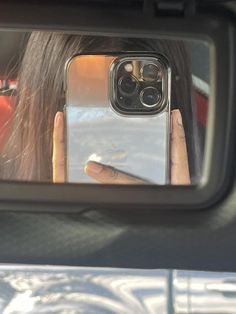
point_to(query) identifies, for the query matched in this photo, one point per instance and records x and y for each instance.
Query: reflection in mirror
(76, 109)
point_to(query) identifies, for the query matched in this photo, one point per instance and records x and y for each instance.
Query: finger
(58, 149)
(179, 156)
(109, 175)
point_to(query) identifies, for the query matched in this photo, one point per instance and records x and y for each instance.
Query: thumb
(179, 156)
(58, 149)
(109, 175)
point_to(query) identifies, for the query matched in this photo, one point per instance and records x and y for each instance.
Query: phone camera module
(128, 85)
(150, 96)
(150, 72)
(138, 85)
(125, 101)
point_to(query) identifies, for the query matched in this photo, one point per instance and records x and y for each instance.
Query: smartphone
(117, 113)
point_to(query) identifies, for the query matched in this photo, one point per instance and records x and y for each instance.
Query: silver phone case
(138, 145)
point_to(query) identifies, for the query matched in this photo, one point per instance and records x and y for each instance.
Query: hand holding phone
(105, 174)
(117, 113)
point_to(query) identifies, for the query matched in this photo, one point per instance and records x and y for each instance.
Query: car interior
(75, 247)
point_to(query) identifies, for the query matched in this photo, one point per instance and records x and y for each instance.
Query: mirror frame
(218, 170)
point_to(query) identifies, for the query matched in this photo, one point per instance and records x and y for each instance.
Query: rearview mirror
(140, 108)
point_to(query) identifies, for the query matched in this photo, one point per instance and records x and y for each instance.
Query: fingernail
(94, 167)
(178, 117)
(57, 119)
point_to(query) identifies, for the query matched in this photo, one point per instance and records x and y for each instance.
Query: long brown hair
(28, 153)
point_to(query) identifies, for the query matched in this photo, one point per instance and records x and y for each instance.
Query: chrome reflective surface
(204, 292)
(49, 289)
(42, 289)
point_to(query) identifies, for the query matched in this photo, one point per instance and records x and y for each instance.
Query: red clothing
(6, 111)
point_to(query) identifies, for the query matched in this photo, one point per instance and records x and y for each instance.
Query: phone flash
(128, 67)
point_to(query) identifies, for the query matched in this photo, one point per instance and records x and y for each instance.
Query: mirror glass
(89, 109)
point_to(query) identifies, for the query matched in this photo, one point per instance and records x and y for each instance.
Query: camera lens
(150, 72)
(150, 96)
(128, 85)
